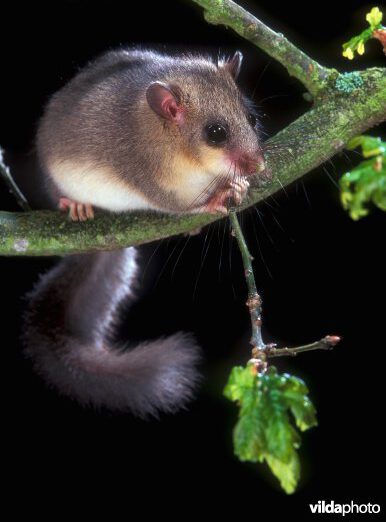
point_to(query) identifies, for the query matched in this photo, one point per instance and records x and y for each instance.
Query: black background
(318, 272)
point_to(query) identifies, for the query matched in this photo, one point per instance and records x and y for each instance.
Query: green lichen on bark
(322, 131)
(306, 143)
(348, 82)
(51, 233)
(345, 106)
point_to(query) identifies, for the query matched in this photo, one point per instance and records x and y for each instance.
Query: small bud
(374, 17)
(254, 302)
(332, 340)
(361, 48)
(258, 366)
(348, 53)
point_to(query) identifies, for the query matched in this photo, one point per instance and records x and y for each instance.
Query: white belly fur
(97, 186)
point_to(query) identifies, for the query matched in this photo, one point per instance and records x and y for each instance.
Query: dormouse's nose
(249, 164)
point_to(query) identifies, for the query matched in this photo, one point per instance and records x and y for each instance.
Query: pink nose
(250, 164)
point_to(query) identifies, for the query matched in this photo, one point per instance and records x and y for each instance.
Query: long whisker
(224, 226)
(180, 254)
(218, 183)
(150, 259)
(260, 77)
(161, 272)
(231, 177)
(261, 252)
(260, 216)
(203, 258)
(202, 196)
(306, 194)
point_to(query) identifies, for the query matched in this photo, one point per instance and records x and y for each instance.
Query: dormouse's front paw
(77, 211)
(239, 188)
(234, 192)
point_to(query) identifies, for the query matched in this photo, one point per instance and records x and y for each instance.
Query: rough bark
(345, 105)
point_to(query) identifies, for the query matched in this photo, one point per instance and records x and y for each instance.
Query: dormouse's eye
(252, 119)
(216, 134)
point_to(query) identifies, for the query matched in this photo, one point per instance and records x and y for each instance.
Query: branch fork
(346, 105)
(261, 351)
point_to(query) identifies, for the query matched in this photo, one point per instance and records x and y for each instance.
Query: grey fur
(102, 118)
(68, 335)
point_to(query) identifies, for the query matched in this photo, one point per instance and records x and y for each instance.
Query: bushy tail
(68, 335)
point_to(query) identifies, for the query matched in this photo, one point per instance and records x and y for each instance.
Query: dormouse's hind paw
(77, 211)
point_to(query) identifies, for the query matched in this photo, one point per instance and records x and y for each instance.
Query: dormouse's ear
(233, 65)
(164, 100)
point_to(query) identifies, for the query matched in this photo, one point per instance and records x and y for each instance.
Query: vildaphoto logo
(323, 507)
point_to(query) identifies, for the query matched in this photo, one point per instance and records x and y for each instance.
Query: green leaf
(295, 394)
(238, 383)
(303, 411)
(366, 183)
(249, 438)
(264, 431)
(357, 43)
(288, 473)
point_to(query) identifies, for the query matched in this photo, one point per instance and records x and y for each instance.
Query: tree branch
(225, 12)
(260, 350)
(327, 343)
(351, 104)
(254, 303)
(5, 174)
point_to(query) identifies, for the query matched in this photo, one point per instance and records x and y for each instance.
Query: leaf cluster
(366, 183)
(357, 43)
(264, 432)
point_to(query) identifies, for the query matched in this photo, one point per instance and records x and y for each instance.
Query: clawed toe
(77, 211)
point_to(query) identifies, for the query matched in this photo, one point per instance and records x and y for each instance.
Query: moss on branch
(306, 143)
(325, 129)
(45, 232)
(347, 105)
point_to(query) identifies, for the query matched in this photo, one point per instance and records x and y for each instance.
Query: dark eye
(252, 119)
(216, 134)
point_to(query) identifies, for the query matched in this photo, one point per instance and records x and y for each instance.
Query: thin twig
(260, 350)
(254, 302)
(5, 173)
(327, 343)
(226, 12)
